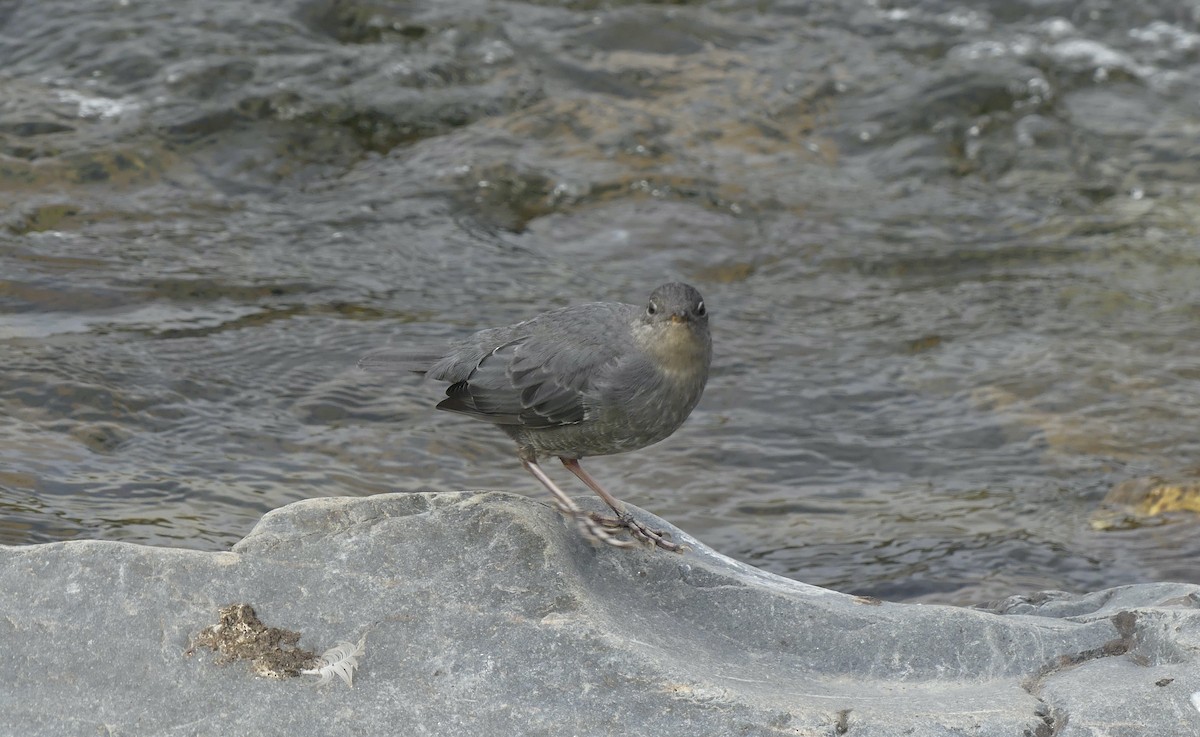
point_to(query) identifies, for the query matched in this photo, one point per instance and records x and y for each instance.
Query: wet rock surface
(486, 614)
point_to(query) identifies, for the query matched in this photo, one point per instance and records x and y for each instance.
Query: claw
(596, 532)
(625, 520)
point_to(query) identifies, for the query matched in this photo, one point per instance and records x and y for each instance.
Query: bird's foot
(640, 531)
(598, 532)
(592, 529)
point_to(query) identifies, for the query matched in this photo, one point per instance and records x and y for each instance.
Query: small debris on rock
(241, 635)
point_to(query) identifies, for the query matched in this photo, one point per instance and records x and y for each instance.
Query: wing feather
(531, 382)
(540, 373)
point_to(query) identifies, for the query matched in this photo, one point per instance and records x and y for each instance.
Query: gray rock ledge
(486, 614)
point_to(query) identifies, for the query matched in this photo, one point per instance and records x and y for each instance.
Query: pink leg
(624, 518)
(590, 528)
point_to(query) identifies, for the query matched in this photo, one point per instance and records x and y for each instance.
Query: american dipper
(592, 379)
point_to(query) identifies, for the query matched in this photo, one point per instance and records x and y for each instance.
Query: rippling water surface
(951, 252)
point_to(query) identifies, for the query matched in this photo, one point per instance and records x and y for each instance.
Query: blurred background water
(950, 251)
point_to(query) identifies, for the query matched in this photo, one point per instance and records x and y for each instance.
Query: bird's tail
(394, 362)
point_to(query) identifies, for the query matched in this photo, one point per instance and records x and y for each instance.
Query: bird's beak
(679, 318)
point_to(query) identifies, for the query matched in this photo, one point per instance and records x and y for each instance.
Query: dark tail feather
(394, 362)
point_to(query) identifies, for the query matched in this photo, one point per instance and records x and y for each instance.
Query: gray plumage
(592, 379)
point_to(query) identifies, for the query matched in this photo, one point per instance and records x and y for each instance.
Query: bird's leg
(623, 519)
(591, 529)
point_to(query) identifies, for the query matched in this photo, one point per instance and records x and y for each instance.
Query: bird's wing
(531, 380)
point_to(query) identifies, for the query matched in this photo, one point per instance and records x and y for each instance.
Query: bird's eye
(701, 310)
(651, 309)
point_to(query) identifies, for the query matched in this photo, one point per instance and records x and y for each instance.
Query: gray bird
(592, 379)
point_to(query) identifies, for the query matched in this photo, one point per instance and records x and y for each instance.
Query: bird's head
(674, 327)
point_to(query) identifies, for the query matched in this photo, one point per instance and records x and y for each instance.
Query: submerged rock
(1139, 501)
(485, 614)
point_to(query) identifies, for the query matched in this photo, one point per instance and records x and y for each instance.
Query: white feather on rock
(340, 660)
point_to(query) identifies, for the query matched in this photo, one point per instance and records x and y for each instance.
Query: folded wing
(529, 381)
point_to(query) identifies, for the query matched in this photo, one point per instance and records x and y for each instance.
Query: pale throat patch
(676, 348)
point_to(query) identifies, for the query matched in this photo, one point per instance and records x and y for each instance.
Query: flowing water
(950, 251)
